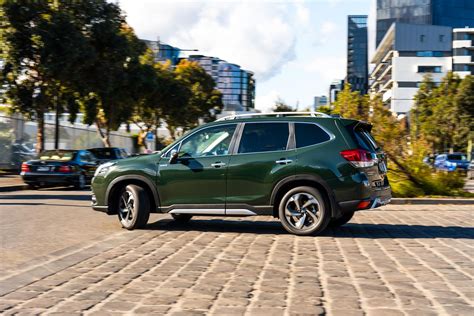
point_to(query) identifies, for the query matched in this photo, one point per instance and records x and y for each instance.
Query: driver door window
(214, 141)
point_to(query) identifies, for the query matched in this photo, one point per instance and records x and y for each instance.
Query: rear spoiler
(355, 124)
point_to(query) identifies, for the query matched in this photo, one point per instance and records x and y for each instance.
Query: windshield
(57, 155)
(457, 157)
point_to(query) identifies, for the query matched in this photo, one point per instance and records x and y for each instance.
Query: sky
(295, 48)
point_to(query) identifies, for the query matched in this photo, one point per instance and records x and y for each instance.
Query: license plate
(42, 169)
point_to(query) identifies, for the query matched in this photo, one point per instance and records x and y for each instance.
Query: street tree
(42, 49)
(282, 106)
(194, 97)
(351, 104)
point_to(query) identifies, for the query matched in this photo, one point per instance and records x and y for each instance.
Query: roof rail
(275, 114)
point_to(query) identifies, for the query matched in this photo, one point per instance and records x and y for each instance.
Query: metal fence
(18, 139)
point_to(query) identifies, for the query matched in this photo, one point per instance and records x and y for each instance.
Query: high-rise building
(320, 101)
(236, 85)
(453, 13)
(463, 51)
(335, 87)
(163, 52)
(406, 54)
(357, 53)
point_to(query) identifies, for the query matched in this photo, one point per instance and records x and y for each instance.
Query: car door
(197, 178)
(263, 156)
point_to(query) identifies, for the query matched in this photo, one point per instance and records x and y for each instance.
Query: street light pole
(56, 127)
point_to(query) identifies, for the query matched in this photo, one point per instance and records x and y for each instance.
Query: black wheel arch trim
(151, 186)
(335, 212)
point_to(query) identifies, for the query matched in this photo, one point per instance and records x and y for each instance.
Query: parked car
(108, 154)
(60, 167)
(470, 170)
(451, 162)
(308, 171)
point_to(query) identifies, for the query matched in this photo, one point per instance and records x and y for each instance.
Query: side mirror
(173, 156)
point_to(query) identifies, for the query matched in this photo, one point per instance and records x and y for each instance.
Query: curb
(11, 188)
(431, 201)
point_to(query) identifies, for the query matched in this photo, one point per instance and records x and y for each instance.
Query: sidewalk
(11, 182)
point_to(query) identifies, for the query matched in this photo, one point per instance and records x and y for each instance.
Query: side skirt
(218, 210)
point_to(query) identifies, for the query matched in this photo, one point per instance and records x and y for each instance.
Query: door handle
(218, 164)
(284, 161)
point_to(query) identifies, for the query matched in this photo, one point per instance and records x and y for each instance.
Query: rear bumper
(377, 198)
(51, 178)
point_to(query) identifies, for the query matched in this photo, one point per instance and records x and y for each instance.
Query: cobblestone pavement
(404, 260)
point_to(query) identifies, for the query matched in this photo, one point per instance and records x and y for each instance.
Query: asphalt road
(37, 223)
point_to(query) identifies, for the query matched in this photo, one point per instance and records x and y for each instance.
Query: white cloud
(258, 35)
(266, 102)
(328, 68)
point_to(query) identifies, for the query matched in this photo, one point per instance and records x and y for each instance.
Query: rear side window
(262, 137)
(364, 138)
(309, 134)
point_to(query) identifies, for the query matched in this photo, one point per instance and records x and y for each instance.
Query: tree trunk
(104, 137)
(40, 131)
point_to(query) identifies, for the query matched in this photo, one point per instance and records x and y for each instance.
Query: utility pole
(56, 127)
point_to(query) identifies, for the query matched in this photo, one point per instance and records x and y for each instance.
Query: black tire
(316, 214)
(181, 218)
(33, 186)
(136, 213)
(80, 183)
(344, 219)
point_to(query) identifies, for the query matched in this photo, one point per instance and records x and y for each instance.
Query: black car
(60, 167)
(108, 154)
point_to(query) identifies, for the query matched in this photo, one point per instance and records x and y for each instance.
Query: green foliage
(281, 106)
(408, 175)
(350, 104)
(443, 114)
(325, 109)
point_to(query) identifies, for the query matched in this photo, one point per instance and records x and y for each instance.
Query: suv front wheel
(133, 207)
(303, 211)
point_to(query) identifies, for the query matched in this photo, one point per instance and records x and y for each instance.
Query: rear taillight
(359, 158)
(25, 167)
(64, 169)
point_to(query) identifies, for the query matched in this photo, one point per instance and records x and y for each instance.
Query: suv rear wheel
(303, 211)
(133, 207)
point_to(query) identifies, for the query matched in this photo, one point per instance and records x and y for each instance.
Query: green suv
(310, 170)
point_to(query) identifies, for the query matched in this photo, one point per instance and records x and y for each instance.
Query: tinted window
(309, 134)
(261, 137)
(213, 141)
(457, 157)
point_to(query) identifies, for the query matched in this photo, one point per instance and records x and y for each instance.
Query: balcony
(463, 59)
(462, 43)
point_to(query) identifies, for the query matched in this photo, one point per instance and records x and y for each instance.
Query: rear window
(105, 153)
(363, 138)
(457, 157)
(262, 137)
(309, 134)
(57, 155)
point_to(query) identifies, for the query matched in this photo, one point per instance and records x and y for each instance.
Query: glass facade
(357, 53)
(453, 13)
(237, 87)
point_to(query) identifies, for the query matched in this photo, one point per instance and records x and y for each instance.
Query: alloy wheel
(302, 211)
(127, 208)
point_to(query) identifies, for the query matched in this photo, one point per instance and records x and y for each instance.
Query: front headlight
(102, 169)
